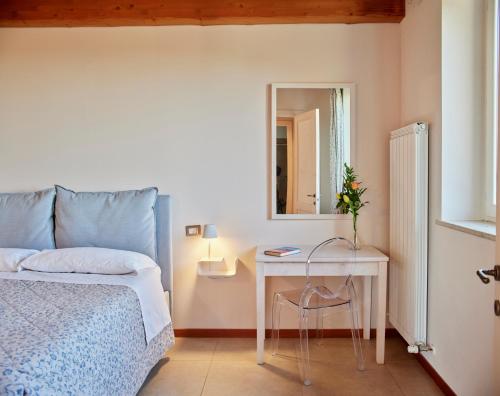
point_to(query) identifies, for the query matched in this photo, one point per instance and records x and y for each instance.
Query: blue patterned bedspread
(73, 339)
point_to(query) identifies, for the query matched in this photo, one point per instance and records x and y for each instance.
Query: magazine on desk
(282, 251)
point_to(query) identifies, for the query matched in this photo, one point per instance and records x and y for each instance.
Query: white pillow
(10, 258)
(88, 260)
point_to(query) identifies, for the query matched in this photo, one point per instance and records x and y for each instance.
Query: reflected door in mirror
(306, 183)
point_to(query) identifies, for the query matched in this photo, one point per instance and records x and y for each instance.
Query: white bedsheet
(146, 284)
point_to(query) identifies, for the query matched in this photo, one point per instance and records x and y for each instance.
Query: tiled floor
(222, 366)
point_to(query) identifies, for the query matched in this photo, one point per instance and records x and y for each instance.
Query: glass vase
(355, 239)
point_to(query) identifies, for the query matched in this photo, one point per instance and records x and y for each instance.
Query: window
(469, 89)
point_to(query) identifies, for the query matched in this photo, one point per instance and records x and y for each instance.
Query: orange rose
(355, 185)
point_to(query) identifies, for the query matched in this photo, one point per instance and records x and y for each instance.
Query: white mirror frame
(352, 146)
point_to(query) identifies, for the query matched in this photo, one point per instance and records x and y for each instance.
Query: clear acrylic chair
(318, 299)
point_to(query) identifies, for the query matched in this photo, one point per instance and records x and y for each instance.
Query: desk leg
(367, 306)
(261, 312)
(381, 310)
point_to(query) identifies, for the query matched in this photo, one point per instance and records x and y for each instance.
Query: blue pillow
(27, 220)
(122, 220)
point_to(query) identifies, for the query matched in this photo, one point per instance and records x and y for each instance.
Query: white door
(306, 154)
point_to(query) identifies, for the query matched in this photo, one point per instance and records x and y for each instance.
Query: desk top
(327, 254)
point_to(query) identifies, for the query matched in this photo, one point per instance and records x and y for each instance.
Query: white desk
(331, 260)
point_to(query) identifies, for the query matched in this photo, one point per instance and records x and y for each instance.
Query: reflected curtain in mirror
(337, 137)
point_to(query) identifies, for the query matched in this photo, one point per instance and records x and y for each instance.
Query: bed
(86, 334)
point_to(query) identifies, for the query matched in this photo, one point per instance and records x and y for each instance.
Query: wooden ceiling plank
(74, 13)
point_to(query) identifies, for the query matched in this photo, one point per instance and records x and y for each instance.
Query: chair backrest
(321, 245)
(322, 291)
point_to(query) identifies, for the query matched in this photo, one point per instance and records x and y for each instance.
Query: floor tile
(199, 349)
(413, 379)
(244, 349)
(395, 350)
(341, 351)
(339, 380)
(176, 378)
(333, 351)
(278, 377)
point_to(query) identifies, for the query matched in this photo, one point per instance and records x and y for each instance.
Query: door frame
(496, 330)
(287, 122)
(496, 325)
(272, 133)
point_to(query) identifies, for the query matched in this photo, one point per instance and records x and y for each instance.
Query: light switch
(193, 230)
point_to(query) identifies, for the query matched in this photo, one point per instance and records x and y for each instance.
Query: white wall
(187, 109)
(460, 306)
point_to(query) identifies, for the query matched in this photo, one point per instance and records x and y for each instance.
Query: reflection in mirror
(311, 143)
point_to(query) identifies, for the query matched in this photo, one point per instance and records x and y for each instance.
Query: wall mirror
(312, 136)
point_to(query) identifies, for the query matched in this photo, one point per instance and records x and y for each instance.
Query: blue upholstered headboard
(164, 241)
(163, 228)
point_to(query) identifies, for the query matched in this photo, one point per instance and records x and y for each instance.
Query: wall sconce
(209, 232)
(214, 267)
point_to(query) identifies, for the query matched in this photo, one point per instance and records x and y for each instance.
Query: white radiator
(408, 232)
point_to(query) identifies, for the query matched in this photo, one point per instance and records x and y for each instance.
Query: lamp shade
(209, 231)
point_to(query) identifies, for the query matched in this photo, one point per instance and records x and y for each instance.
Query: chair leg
(319, 325)
(356, 337)
(304, 346)
(275, 333)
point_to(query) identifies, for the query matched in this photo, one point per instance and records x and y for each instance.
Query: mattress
(74, 339)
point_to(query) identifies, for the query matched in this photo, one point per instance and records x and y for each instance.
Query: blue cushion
(122, 220)
(26, 220)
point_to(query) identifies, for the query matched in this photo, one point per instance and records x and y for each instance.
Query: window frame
(491, 108)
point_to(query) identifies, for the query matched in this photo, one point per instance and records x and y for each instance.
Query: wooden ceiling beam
(81, 13)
